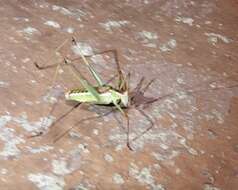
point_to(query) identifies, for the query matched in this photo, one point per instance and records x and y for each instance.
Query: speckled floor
(190, 50)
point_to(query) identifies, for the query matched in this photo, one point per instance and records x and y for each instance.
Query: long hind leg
(79, 122)
(57, 65)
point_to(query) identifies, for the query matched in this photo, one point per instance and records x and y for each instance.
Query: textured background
(188, 47)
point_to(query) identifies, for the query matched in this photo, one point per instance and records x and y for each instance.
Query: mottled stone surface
(188, 47)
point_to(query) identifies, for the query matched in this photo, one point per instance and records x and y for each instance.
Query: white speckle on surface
(171, 44)
(70, 30)
(144, 176)
(7, 135)
(23, 121)
(213, 38)
(60, 167)
(219, 116)
(163, 146)
(117, 178)
(208, 22)
(3, 171)
(10, 147)
(28, 102)
(148, 35)
(4, 119)
(47, 182)
(3, 84)
(82, 148)
(157, 167)
(177, 171)
(114, 24)
(80, 187)
(21, 19)
(190, 150)
(162, 157)
(83, 48)
(185, 20)
(95, 131)
(62, 10)
(210, 187)
(119, 147)
(40, 149)
(33, 82)
(180, 81)
(108, 158)
(53, 94)
(150, 45)
(25, 60)
(75, 134)
(30, 30)
(42, 124)
(52, 24)
(79, 13)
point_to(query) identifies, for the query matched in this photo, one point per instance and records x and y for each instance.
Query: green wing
(84, 82)
(90, 88)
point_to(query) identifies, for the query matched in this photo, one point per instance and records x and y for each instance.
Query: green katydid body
(101, 93)
(107, 95)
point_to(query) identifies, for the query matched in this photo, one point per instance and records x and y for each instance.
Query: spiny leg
(80, 77)
(139, 90)
(122, 83)
(81, 121)
(147, 86)
(127, 122)
(128, 132)
(57, 65)
(65, 114)
(53, 81)
(39, 133)
(136, 90)
(147, 129)
(139, 85)
(42, 67)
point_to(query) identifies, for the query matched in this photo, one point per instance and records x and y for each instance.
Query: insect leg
(42, 67)
(147, 86)
(56, 121)
(127, 124)
(122, 82)
(65, 114)
(81, 121)
(147, 129)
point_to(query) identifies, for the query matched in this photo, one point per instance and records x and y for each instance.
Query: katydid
(102, 93)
